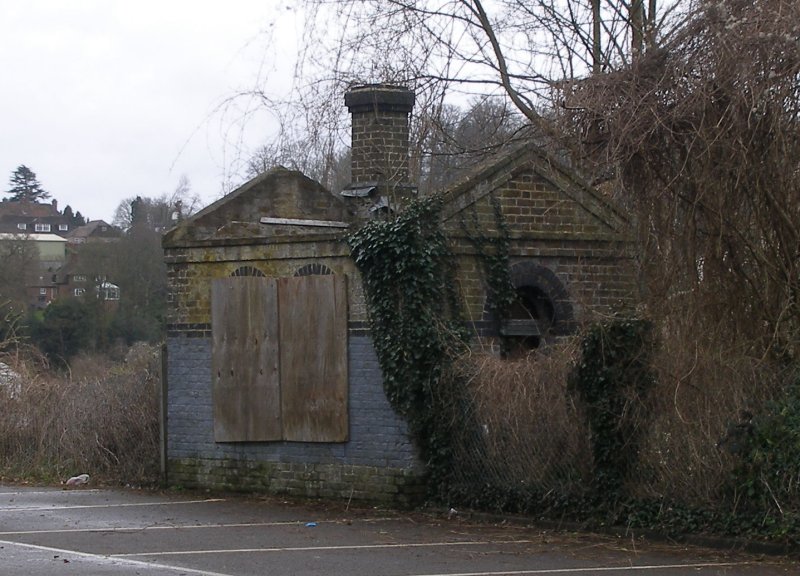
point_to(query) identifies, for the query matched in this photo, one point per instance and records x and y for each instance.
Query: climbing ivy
(408, 274)
(493, 251)
(612, 380)
(768, 475)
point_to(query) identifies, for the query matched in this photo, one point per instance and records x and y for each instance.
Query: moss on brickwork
(391, 486)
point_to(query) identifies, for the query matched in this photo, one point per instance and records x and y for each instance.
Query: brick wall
(549, 230)
(378, 463)
(191, 270)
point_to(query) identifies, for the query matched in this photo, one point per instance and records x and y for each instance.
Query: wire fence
(516, 426)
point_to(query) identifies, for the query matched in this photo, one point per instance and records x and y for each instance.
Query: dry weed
(516, 426)
(101, 419)
(706, 382)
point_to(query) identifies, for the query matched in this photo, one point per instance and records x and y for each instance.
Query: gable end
(538, 197)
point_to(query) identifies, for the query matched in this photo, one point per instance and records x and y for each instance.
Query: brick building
(57, 238)
(272, 379)
(26, 217)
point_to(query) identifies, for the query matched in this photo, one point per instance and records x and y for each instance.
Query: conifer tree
(25, 186)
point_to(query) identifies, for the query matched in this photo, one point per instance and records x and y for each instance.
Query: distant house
(51, 247)
(57, 243)
(94, 231)
(42, 281)
(71, 284)
(25, 217)
(43, 225)
(74, 282)
(83, 274)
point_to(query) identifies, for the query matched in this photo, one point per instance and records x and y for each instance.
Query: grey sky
(107, 99)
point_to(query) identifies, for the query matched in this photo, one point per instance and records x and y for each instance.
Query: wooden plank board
(313, 358)
(245, 360)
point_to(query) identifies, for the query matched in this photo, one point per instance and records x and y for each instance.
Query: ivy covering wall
(408, 272)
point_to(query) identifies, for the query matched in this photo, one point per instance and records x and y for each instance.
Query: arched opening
(248, 271)
(314, 269)
(529, 322)
(542, 313)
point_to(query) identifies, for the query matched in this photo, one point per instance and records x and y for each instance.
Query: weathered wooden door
(245, 360)
(280, 359)
(313, 336)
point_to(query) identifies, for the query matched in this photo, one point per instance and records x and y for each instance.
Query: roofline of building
(34, 237)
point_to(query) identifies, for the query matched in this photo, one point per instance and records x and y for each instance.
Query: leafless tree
(19, 265)
(688, 108)
(331, 169)
(160, 212)
(521, 49)
(459, 138)
(517, 52)
(703, 135)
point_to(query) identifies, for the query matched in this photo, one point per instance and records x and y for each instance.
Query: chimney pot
(379, 168)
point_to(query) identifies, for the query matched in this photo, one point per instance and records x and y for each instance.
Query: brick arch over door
(531, 274)
(314, 269)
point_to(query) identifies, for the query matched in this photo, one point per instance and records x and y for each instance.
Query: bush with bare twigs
(706, 393)
(100, 418)
(515, 427)
(717, 435)
(701, 135)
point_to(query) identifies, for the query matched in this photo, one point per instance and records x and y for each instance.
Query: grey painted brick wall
(378, 437)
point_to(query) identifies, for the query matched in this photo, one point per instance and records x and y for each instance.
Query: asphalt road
(91, 532)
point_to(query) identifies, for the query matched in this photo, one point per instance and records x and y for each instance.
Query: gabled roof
(528, 155)
(90, 228)
(280, 203)
(29, 209)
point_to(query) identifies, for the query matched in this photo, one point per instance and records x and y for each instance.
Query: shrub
(612, 380)
(705, 381)
(101, 418)
(768, 477)
(515, 427)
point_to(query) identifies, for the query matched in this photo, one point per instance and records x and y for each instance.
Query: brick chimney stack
(379, 147)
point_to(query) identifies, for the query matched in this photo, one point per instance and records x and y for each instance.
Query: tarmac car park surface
(93, 532)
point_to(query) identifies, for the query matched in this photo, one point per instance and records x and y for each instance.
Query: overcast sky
(108, 99)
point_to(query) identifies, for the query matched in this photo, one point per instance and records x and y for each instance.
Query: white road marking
(595, 569)
(532, 572)
(123, 560)
(328, 548)
(132, 529)
(128, 505)
(52, 492)
(101, 559)
(129, 559)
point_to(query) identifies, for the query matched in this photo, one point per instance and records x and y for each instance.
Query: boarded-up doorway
(279, 359)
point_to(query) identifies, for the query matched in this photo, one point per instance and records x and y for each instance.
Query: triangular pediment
(539, 194)
(280, 203)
